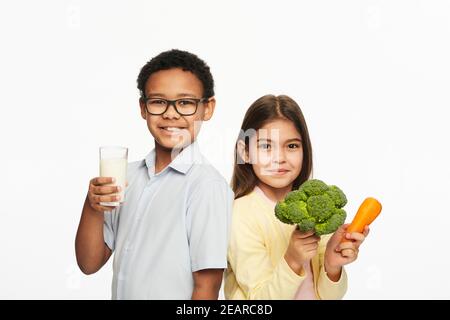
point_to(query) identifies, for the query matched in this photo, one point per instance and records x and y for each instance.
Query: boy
(170, 235)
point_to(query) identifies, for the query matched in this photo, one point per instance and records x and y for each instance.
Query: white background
(371, 76)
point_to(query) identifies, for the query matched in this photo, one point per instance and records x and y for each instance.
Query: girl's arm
(331, 286)
(249, 259)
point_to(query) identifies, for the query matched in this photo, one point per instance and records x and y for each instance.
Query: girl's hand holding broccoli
(302, 248)
(338, 254)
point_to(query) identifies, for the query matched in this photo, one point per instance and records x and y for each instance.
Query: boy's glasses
(184, 106)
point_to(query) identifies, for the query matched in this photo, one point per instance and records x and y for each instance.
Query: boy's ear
(143, 109)
(209, 109)
(242, 152)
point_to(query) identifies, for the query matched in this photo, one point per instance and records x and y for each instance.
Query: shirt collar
(149, 161)
(189, 156)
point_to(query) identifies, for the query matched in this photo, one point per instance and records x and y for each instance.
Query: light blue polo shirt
(171, 224)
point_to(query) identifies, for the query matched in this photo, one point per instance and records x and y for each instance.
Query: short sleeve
(110, 227)
(208, 220)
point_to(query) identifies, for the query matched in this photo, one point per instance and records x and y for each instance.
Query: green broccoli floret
(314, 206)
(313, 187)
(321, 207)
(296, 195)
(332, 224)
(307, 224)
(337, 195)
(292, 212)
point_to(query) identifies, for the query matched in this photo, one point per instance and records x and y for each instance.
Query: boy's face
(170, 129)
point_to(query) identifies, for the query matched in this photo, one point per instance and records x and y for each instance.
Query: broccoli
(314, 206)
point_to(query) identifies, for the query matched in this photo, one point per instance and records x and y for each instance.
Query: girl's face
(276, 153)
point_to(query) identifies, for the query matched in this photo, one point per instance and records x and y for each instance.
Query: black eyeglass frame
(174, 103)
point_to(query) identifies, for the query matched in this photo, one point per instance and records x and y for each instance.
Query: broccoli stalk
(314, 206)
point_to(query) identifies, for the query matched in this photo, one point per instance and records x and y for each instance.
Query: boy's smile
(170, 129)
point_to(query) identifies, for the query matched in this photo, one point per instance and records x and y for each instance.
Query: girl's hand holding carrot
(343, 246)
(338, 254)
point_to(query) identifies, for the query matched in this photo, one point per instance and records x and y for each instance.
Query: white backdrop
(372, 78)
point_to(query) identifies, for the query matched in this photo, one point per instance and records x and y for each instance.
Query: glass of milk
(113, 163)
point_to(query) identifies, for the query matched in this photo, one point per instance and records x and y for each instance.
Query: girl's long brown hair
(263, 110)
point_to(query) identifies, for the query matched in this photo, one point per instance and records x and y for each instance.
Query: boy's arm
(207, 284)
(91, 251)
(208, 220)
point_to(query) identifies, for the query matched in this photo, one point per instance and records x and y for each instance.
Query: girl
(268, 259)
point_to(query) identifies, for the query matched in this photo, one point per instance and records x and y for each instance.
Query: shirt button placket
(128, 247)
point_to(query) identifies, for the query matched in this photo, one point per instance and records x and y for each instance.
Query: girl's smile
(278, 172)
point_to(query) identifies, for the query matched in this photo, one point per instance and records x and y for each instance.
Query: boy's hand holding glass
(107, 191)
(101, 191)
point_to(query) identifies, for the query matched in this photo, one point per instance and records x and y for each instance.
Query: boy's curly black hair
(177, 59)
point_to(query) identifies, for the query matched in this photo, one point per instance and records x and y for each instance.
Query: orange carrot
(367, 212)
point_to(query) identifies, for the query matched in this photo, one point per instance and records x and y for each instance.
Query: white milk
(117, 168)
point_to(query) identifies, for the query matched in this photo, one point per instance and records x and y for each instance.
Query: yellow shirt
(256, 265)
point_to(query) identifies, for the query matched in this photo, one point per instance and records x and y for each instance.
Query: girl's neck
(163, 156)
(274, 194)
